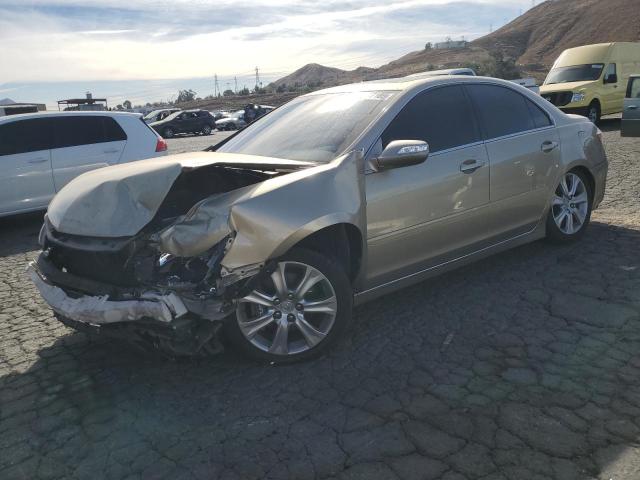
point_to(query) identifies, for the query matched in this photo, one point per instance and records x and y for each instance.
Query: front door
(25, 165)
(423, 215)
(613, 94)
(631, 112)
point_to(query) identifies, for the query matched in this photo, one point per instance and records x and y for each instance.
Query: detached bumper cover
(99, 310)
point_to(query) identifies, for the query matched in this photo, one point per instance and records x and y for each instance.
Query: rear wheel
(168, 132)
(297, 312)
(570, 208)
(206, 130)
(593, 112)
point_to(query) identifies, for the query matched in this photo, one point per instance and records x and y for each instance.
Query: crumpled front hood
(120, 200)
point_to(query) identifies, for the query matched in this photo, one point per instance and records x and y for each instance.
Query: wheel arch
(342, 241)
(590, 176)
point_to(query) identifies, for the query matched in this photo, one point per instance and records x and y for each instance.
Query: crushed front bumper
(99, 309)
(151, 320)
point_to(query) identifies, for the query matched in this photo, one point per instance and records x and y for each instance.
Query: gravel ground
(194, 143)
(522, 366)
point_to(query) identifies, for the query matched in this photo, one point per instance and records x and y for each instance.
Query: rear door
(631, 112)
(25, 165)
(524, 150)
(83, 143)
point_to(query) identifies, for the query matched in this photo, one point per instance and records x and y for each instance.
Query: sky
(146, 50)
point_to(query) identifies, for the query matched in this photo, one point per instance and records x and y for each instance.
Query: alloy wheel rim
(290, 312)
(570, 204)
(593, 115)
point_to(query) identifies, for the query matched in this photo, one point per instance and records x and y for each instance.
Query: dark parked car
(187, 121)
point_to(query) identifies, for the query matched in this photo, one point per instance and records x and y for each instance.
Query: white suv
(41, 152)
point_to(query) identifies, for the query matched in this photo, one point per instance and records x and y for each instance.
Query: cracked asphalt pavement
(522, 366)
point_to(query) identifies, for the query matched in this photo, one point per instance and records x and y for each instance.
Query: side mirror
(611, 78)
(403, 153)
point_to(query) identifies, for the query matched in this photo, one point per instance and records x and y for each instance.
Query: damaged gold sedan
(337, 197)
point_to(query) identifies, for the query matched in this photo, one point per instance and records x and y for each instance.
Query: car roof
(53, 113)
(411, 83)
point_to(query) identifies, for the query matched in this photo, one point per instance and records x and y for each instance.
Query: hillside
(539, 36)
(534, 40)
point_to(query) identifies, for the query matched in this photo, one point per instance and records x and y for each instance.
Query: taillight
(161, 146)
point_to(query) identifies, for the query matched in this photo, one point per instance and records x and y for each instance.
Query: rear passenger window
(503, 111)
(442, 117)
(24, 136)
(540, 117)
(73, 131)
(113, 131)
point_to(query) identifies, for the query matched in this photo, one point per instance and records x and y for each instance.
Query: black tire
(168, 132)
(341, 285)
(594, 112)
(206, 130)
(554, 233)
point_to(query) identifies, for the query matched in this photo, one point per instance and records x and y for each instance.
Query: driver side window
(442, 117)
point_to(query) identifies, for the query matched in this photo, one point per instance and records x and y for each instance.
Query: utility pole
(235, 83)
(216, 88)
(490, 27)
(257, 78)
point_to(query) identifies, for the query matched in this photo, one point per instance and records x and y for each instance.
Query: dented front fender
(268, 218)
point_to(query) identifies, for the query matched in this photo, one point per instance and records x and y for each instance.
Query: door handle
(632, 107)
(548, 146)
(38, 160)
(111, 151)
(470, 166)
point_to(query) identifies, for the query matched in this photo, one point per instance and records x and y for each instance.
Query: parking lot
(522, 366)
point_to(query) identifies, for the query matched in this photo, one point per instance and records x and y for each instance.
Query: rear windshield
(314, 128)
(575, 73)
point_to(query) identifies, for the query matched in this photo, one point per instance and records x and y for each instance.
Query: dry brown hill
(534, 40)
(540, 35)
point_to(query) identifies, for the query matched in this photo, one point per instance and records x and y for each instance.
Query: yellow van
(591, 80)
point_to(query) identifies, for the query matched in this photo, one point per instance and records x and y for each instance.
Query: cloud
(114, 40)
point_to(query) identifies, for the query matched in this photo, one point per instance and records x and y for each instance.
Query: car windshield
(151, 115)
(313, 128)
(173, 115)
(576, 73)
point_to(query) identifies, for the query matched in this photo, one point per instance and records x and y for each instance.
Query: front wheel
(570, 208)
(593, 112)
(295, 313)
